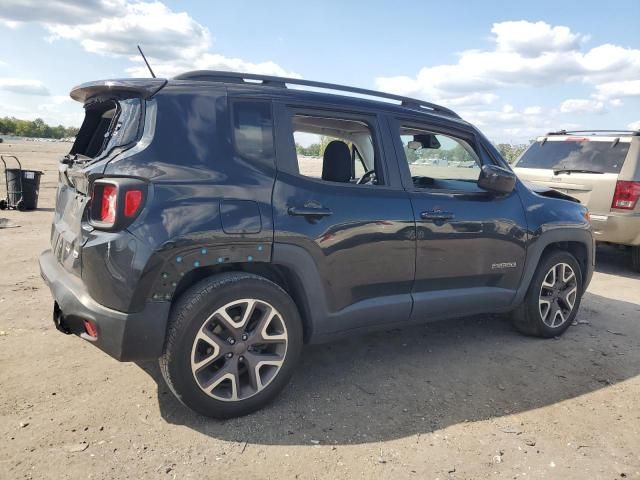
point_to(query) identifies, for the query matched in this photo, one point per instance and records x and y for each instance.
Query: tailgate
(67, 235)
(594, 190)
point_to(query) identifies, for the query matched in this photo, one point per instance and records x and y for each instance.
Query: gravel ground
(468, 398)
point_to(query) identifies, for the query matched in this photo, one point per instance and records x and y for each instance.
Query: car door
(470, 242)
(358, 239)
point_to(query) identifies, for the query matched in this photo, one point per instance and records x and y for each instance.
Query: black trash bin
(27, 191)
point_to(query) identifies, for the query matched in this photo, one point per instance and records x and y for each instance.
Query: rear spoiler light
(125, 88)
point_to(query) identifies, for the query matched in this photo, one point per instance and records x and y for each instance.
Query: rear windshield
(604, 157)
(106, 125)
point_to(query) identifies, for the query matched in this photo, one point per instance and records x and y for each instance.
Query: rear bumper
(124, 336)
(620, 228)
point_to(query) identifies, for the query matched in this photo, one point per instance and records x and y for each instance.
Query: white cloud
(532, 39)
(473, 99)
(57, 11)
(634, 125)
(626, 88)
(173, 42)
(582, 105)
(533, 110)
(525, 54)
(23, 86)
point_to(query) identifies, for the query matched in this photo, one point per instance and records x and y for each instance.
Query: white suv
(601, 168)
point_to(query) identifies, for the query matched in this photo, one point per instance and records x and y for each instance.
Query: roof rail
(273, 81)
(596, 132)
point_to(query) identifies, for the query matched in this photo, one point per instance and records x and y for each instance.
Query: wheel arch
(577, 241)
(282, 276)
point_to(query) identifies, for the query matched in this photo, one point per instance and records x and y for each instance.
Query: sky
(514, 69)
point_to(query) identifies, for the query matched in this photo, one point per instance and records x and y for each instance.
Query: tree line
(34, 128)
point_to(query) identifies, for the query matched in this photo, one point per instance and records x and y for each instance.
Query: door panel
(361, 237)
(470, 243)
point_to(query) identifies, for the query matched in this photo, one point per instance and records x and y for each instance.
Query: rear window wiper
(556, 171)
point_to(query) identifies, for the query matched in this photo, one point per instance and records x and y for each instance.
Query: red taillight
(115, 202)
(626, 195)
(109, 203)
(132, 202)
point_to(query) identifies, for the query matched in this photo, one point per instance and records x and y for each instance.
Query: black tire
(189, 315)
(3, 204)
(21, 206)
(635, 258)
(527, 318)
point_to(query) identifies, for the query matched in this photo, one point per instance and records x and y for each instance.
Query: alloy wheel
(239, 350)
(558, 295)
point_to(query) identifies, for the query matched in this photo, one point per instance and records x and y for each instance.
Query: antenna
(145, 61)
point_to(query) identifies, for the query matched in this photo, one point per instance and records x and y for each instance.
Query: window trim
(468, 135)
(287, 158)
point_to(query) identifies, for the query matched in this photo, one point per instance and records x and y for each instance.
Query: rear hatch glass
(106, 125)
(595, 156)
(584, 168)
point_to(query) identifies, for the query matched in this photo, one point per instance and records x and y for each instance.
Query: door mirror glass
(496, 179)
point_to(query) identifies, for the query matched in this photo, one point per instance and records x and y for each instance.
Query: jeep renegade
(218, 221)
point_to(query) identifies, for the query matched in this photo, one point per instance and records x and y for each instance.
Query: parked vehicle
(189, 229)
(601, 168)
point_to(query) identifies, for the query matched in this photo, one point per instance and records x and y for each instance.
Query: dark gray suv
(218, 221)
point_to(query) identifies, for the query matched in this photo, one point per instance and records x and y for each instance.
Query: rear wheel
(635, 258)
(233, 342)
(553, 298)
(3, 204)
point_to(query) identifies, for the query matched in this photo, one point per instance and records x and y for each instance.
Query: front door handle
(437, 215)
(309, 211)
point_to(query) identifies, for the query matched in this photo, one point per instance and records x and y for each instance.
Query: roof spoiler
(122, 88)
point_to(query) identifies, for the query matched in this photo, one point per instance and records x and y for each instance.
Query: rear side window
(253, 130)
(603, 157)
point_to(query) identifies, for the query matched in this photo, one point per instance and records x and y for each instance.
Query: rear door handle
(309, 211)
(437, 215)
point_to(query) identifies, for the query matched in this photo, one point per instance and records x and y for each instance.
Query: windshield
(603, 157)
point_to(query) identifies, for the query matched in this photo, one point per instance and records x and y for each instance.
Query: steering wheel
(367, 177)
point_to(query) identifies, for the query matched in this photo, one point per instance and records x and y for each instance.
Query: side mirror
(496, 179)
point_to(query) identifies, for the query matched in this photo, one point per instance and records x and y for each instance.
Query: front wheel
(553, 298)
(233, 342)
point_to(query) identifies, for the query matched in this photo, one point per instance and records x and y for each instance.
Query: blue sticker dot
(259, 248)
(250, 258)
(178, 259)
(196, 263)
(203, 251)
(220, 259)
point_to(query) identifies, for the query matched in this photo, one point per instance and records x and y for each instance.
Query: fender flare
(556, 235)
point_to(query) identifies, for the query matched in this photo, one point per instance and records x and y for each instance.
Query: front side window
(439, 161)
(253, 130)
(335, 150)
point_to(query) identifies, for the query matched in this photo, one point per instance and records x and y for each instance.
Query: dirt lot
(462, 399)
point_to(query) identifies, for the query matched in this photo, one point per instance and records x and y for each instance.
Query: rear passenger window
(335, 150)
(253, 130)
